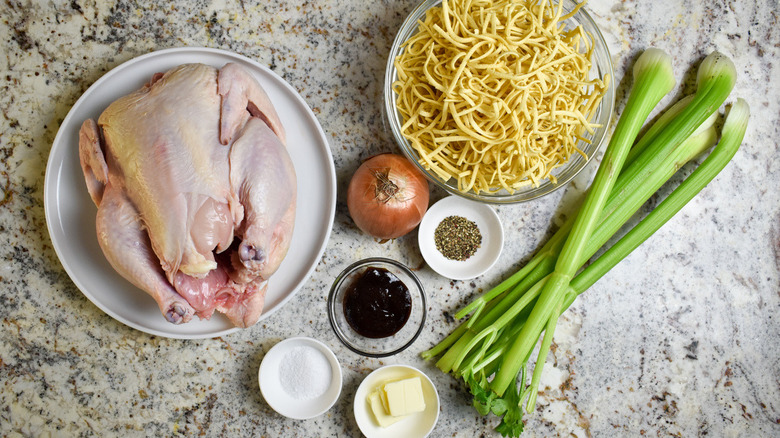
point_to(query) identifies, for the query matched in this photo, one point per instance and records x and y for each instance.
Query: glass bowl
(384, 346)
(601, 68)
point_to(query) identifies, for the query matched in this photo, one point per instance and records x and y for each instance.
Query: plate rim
(51, 170)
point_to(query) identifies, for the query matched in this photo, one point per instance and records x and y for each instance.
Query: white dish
(275, 394)
(416, 425)
(489, 226)
(70, 213)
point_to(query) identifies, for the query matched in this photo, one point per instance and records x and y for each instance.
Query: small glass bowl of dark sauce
(377, 307)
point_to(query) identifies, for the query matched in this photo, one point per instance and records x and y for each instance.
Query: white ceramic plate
(489, 226)
(416, 425)
(274, 393)
(70, 213)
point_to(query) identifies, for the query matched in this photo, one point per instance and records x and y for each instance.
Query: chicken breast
(195, 190)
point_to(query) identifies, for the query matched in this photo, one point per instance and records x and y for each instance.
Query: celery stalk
(616, 213)
(502, 316)
(653, 79)
(718, 73)
(657, 127)
(514, 311)
(733, 132)
(691, 148)
(715, 80)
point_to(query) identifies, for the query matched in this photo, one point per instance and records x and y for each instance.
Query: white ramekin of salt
(300, 378)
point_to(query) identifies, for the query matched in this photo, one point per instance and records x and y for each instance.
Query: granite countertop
(680, 339)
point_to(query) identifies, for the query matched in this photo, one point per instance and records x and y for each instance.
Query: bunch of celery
(490, 350)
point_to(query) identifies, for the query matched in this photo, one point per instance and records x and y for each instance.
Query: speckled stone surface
(680, 339)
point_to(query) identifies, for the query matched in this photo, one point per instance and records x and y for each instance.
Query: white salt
(305, 373)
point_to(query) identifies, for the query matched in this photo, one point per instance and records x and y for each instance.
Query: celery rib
(506, 322)
(733, 133)
(653, 79)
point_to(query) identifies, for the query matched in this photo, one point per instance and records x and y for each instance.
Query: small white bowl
(279, 399)
(489, 226)
(417, 425)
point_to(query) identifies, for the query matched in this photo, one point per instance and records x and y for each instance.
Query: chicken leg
(263, 177)
(127, 248)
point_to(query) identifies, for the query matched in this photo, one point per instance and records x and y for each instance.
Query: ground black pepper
(457, 238)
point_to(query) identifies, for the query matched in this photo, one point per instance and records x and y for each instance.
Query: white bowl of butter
(396, 401)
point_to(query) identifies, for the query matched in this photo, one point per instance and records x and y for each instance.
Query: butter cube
(404, 397)
(382, 419)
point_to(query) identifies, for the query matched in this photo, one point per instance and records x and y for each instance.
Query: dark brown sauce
(377, 303)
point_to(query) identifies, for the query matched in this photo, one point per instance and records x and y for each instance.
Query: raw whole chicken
(195, 190)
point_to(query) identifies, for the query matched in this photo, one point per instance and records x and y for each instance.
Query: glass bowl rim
(344, 274)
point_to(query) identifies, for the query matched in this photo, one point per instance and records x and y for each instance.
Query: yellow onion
(387, 196)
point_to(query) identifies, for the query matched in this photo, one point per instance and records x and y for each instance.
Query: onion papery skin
(387, 196)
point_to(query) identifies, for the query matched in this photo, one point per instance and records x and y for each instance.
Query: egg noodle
(496, 93)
